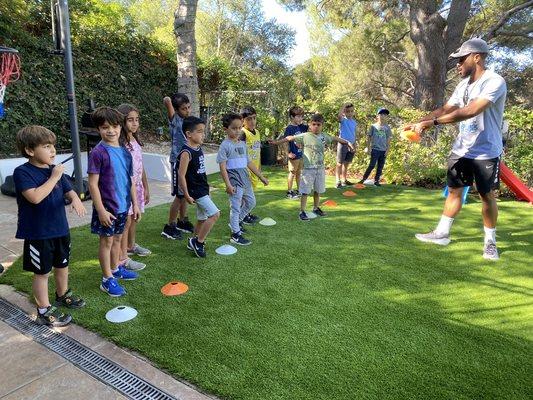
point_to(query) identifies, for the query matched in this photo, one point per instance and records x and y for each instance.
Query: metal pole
(71, 97)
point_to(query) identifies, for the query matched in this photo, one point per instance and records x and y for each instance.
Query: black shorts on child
(40, 255)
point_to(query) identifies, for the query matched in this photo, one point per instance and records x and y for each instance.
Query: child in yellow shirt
(253, 143)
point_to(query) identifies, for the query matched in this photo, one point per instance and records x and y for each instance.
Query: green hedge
(109, 67)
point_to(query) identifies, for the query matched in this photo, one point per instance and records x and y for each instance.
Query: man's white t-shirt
(480, 137)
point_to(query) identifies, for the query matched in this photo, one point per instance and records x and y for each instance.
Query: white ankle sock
(445, 224)
(490, 234)
(42, 310)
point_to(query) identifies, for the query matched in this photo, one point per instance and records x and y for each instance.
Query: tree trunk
(184, 20)
(435, 39)
(427, 29)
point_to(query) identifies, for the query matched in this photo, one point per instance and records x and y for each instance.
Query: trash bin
(269, 154)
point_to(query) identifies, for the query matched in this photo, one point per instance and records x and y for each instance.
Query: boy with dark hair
(296, 162)
(314, 173)
(379, 136)
(42, 222)
(178, 108)
(192, 179)
(253, 143)
(234, 164)
(110, 172)
(348, 127)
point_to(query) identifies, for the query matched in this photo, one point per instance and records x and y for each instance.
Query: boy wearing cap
(348, 127)
(477, 104)
(379, 136)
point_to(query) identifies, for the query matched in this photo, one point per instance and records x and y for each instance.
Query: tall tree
(436, 28)
(184, 23)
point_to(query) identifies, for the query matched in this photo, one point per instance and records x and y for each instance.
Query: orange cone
(174, 288)
(359, 186)
(329, 203)
(349, 193)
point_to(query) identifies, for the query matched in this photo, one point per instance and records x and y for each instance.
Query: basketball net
(9, 72)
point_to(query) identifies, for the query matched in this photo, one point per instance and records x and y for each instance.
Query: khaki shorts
(313, 180)
(296, 165)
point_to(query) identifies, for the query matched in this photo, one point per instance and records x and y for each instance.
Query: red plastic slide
(514, 184)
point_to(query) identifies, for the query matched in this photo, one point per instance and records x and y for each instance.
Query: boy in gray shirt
(379, 137)
(234, 164)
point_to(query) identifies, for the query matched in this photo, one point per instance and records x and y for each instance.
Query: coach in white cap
(477, 103)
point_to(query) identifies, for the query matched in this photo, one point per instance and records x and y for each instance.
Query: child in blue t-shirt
(348, 128)
(110, 172)
(296, 162)
(42, 222)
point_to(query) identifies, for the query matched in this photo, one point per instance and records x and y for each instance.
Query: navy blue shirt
(48, 219)
(292, 130)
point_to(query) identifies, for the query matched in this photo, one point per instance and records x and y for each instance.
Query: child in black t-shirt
(42, 222)
(192, 180)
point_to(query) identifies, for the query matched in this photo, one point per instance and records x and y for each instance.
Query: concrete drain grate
(84, 358)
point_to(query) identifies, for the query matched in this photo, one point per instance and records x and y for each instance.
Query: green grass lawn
(350, 306)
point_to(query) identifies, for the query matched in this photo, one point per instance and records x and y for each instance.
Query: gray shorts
(344, 155)
(205, 208)
(313, 180)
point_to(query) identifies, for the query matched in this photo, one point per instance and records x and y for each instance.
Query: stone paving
(30, 371)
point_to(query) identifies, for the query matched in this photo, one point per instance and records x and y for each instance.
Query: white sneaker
(434, 237)
(490, 251)
(133, 265)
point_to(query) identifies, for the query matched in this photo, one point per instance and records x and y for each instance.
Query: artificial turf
(349, 306)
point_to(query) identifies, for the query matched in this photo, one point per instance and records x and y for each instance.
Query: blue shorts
(116, 228)
(205, 208)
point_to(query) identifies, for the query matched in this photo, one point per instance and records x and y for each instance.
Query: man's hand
(292, 156)
(189, 199)
(351, 147)
(422, 126)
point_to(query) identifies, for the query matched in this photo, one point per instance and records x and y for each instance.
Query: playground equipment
(515, 185)
(9, 72)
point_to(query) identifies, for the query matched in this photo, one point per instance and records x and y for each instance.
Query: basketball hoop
(9, 71)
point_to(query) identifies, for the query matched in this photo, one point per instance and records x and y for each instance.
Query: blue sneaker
(112, 288)
(123, 273)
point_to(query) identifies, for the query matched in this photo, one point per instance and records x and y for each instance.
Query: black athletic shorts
(40, 255)
(464, 171)
(174, 189)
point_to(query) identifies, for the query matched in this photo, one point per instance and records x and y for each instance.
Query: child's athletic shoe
(123, 273)
(249, 220)
(185, 226)
(297, 194)
(69, 300)
(139, 251)
(434, 237)
(490, 251)
(348, 183)
(319, 212)
(133, 265)
(290, 194)
(53, 317)
(361, 181)
(171, 232)
(376, 183)
(197, 247)
(303, 216)
(237, 238)
(112, 287)
(241, 226)
(339, 185)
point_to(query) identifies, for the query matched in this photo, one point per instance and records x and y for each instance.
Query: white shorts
(313, 180)
(205, 208)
